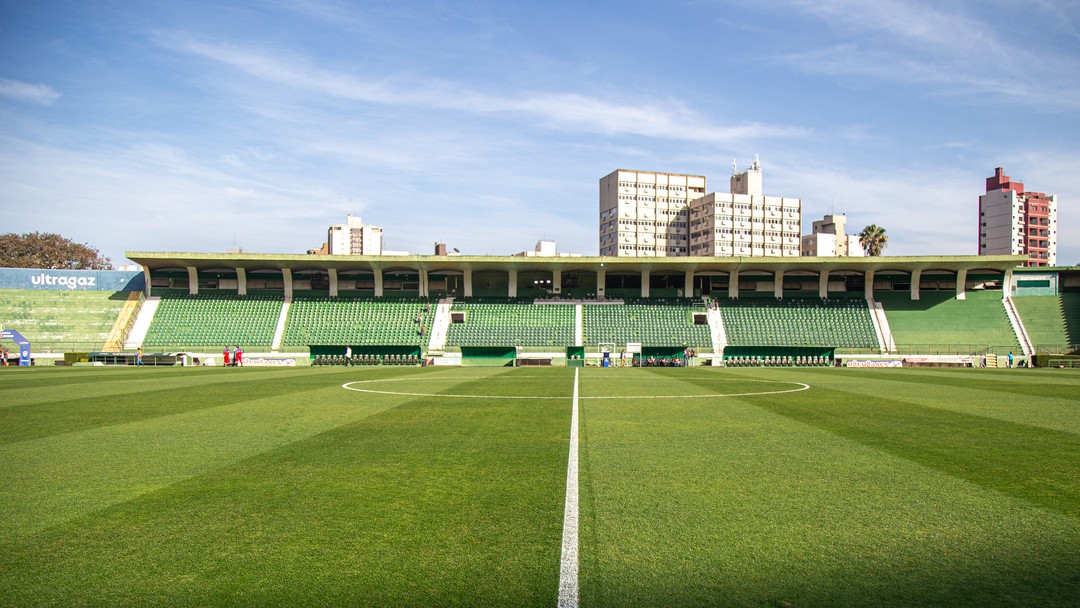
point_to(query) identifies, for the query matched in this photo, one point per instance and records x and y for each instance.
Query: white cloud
(666, 118)
(922, 43)
(41, 94)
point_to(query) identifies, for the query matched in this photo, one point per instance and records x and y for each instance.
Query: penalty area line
(568, 567)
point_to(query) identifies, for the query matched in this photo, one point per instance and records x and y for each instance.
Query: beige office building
(645, 214)
(828, 238)
(354, 238)
(745, 222)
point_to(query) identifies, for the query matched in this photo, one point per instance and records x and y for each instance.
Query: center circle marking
(799, 386)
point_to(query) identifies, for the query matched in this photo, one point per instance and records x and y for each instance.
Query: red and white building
(1015, 222)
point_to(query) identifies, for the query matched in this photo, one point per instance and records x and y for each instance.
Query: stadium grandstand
(290, 309)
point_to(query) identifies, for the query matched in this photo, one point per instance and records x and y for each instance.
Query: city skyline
(167, 127)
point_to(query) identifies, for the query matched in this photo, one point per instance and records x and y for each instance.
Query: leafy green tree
(873, 239)
(44, 250)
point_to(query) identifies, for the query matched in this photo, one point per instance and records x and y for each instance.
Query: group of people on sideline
(237, 359)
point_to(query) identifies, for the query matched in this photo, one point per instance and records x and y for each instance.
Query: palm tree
(873, 239)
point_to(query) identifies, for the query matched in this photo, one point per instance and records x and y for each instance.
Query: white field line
(568, 568)
(800, 386)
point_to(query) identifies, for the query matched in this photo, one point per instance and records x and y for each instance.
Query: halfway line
(568, 569)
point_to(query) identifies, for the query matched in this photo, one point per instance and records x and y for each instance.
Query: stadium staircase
(142, 323)
(1017, 326)
(881, 326)
(716, 328)
(122, 327)
(440, 325)
(279, 331)
(579, 329)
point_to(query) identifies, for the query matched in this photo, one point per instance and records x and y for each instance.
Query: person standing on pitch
(138, 356)
(225, 357)
(238, 356)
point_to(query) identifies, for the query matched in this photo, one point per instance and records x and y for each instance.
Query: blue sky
(200, 126)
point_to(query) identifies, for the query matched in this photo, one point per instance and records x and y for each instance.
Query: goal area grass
(446, 486)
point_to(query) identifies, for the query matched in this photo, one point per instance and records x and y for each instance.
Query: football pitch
(448, 487)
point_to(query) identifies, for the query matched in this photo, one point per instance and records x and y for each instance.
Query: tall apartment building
(745, 222)
(827, 238)
(645, 214)
(1015, 222)
(354, 238)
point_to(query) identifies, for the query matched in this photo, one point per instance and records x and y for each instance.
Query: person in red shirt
(225, 357)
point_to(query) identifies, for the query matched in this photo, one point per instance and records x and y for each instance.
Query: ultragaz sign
(58, 280)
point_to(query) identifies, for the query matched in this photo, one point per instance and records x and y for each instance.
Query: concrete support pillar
(961, 284)
(688, 290)
(778, 285)
(1006, 285)
(733, 285)
(468, 282)
(513, 284)
(193, 280)
(601, 279)
(241, 281)
(916, 278)
(146, 278)
(286, 275)
(422, 274)
(556, 281)
(823, 285)
(378, 282)
(333, 283)
(868, 288)
(645, 276)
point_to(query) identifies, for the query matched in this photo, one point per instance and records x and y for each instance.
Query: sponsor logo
(261, 361)
(873, 363)
(63, 281)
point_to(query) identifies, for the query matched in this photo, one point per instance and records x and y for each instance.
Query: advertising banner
(873, 363)
(58, 280)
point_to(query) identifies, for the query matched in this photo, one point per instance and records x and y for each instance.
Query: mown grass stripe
(1035, 464)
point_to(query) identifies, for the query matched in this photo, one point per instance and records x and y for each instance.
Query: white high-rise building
(1015, 222)
(644, 213)
(745, 222)
(354, 238)
(827, 239)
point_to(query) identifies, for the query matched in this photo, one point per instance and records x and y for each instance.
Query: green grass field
(445, 487)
